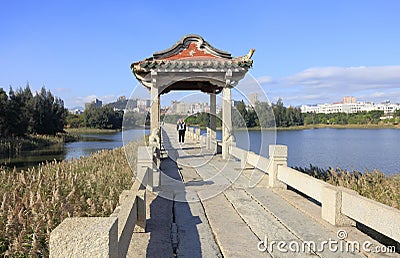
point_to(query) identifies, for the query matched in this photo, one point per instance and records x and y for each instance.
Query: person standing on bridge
(181, 127)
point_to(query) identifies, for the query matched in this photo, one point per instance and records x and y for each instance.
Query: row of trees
(262, 114)
(266, 115)
(371, 117)
(276, 114)
(23, 113)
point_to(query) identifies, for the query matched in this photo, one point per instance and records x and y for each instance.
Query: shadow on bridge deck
(205, 208)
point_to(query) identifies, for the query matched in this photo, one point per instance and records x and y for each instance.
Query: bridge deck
(205, 208)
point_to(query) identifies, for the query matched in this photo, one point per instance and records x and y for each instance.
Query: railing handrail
(340, 206)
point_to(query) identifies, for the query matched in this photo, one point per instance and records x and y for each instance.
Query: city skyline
(306, 52)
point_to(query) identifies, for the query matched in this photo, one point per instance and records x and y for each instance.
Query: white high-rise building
(350, 105)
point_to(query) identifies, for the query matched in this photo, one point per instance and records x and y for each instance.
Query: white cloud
(330, 84)
(81, 100)
(355, 78)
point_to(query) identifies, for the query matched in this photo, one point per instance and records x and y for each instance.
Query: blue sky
(307, 51)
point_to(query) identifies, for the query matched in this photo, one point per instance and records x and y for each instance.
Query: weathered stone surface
(331, 200)
(306, 184)
(195, 238)
(85, 237)
(380, 217)
(302, 226)
(233, 236)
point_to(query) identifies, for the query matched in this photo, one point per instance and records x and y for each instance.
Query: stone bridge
(197, 204)
(191, 201)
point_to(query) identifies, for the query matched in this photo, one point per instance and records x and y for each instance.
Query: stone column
(213, 125)
(226, 116)
(154, 111)
(154, 105)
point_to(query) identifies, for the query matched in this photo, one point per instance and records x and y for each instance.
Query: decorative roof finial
(250, 54)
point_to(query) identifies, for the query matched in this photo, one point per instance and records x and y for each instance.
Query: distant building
(235, 102)
(350, 105)
(143, 104)
(75, 111)
(121, 98)
(185, 108)
(96, 104)
(349, 100)
(253, 98)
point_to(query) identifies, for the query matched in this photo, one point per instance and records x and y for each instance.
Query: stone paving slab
(264, 224)
(302, 226)
(156, 241)
(314, 211)
(195, 238)
(234, 237)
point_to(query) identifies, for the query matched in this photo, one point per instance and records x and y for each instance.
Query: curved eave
(147, 66)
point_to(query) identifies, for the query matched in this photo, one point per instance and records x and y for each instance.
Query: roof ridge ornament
(185, 42)
(250, 54)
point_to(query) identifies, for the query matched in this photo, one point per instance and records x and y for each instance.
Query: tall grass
(35, 201)
(371, 184)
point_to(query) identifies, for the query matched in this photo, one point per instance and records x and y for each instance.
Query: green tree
(49, 114)
(265, 114)
(239, 115)
(4, 126)
(279, 112)
(75, 121)
(103, 118)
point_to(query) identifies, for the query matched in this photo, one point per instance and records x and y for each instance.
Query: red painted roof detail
(192, 51)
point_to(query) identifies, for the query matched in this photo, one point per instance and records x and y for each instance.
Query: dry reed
(35, 201)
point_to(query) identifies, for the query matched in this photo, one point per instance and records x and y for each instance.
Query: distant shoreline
(349, 126)
(90, 130)
(317, 126)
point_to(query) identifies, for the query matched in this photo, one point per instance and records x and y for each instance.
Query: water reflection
(88, 144)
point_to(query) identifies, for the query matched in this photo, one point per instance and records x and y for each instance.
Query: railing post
(85, 237)
(146, 159)
(141, 211)
(278, 156)
(243, 160)
(198, 134)
(191, 133)
(208, 139)
(332, 206)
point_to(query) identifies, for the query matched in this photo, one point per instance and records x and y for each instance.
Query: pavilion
(193, 64)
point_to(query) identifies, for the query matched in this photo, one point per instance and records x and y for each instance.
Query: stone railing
(339, 206)
(108, 236)
(193, 133)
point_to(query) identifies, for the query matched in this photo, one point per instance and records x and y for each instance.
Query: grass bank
(317, 126)
(90, 130)
(15, 145)
(371, 184)
(35, 201)
(349, 126)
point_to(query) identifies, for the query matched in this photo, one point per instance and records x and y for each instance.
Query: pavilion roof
(190, 53)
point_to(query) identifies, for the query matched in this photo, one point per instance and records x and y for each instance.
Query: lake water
(360, 149)
(354, 149)
(88, 144)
